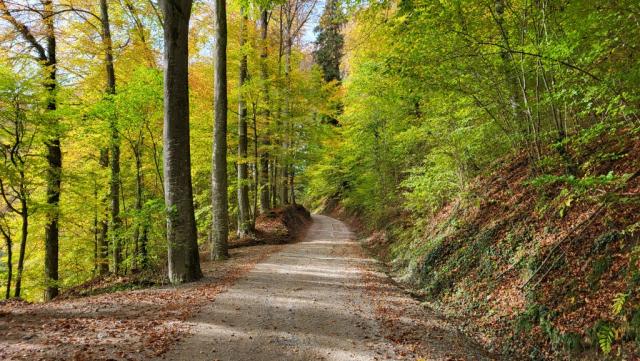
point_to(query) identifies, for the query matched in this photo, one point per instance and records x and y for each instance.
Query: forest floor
(319, 299)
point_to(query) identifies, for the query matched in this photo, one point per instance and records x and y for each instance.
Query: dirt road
(319, 299)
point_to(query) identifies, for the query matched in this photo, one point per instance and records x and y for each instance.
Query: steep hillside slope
(540, 266)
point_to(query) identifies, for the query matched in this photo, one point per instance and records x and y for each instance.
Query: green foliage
(440, 92)
(618, 302)
(285, 113)
(606, 336)
(579, 184)
(427, 102)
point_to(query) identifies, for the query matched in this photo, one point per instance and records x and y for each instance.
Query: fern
(605, 338)
(618, 303)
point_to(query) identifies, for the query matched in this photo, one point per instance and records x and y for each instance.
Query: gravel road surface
(307, 302)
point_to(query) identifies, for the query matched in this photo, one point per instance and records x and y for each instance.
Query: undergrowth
(543, 263)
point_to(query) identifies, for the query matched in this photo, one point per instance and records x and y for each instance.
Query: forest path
(320, 299)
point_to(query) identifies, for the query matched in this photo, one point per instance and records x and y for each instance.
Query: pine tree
(330, 41)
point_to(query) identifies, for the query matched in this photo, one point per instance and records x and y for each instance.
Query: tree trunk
(184, 261)
(7, 238)
(138, 237)
(287, 110)
(256, 161)
(244, 217)
(292, 185)
(263, 180)
(102, 242)
(54, 160)
(219, 198)
(274, 183)
(114, 141)
(143, 246)
(284, 182)
(23, 238)
(278, 191)
(95, 227)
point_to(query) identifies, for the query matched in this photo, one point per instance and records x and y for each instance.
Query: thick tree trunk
(184, 261)
(244, 217)
(256, 177)
(54, 160)
(264, 157)
(114, 141)
(287, 111)
(219, 198)
(279, 192)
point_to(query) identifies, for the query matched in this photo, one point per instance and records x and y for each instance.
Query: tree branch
(24, 31)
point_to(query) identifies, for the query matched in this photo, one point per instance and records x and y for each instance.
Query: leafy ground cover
(139, 321)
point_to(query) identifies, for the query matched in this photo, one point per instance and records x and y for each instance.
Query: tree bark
(292, 186)
(288, 44)
(244, 217)
(102, 242)
(114, 146)
(139, 237)
(274, 183)
(184, 261)
(23, 237)
(219, 198)
(96, 232)
(54, 160)
(265, 197)
(8, 241)
(256, 161)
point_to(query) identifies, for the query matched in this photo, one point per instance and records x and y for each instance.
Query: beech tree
(114, 147)
(265, 196)
(184, 260)
(245, 226)
(219, 198)
(46, 56)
